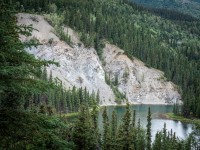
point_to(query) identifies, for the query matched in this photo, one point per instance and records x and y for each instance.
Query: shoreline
(194, 121)
(131, 104)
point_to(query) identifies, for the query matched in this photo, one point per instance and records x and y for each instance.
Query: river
(182, 130)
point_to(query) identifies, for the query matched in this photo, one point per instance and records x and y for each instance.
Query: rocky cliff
(81, 67)
(139, 83)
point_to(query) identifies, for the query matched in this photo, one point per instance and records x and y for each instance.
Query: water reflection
(182, 130)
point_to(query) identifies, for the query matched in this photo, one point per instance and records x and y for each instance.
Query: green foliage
(149, 130)
(173, 6)
(195, 121)
(170, 46)
(157, 37)
(106, 131)
(116, 82)
(176, 109)
(160, 43)
(52, 8)
(63, 36)
(140, 138)
(126, 133)
(84, 133)
(126, 75)
(87, 39)
(134, 121)
(119, 96)
(57, 100)
(27, 130)
(22, 81)
(167, 140)
(114, 125)
(56, 20)
(17, 66)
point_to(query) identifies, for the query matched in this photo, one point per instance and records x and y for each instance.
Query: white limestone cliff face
(81, 67)
(141, 84)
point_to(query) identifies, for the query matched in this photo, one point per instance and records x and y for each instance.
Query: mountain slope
(81, 67)
(191, 7)
(139, 83)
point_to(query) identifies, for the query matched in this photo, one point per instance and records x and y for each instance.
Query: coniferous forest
(168, 41)
(33, 104)
(189, 7)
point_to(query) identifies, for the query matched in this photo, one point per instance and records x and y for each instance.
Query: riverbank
(194, 121)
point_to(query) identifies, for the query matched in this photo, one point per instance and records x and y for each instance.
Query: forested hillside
(172, 46)
(190, 7)
(31, 101)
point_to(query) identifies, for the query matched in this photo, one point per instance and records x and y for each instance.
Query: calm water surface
(182, 130)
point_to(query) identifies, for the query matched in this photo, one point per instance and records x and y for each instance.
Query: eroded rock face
(140, 83)
(81, 67)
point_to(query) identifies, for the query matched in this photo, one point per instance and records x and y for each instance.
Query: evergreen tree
(106, 132)
(97, 98)
(140, 138)
(85, 97)
(198, 110)
(83, 133)
(114, 124)
(116, 82)
(114, 131)
(164, 138)
(148, 134)
(125, 136)
(17, 66)
(157, 143)
(94, 117)
(138, 125)
(151, 35)
(134, 115)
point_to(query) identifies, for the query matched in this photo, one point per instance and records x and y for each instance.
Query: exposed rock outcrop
(139, 83)
(81, 67)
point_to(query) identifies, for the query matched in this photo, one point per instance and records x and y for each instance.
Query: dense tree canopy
(172, 46)
(165, 40)
(19, 71)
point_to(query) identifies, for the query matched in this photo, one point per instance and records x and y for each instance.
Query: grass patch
(194, 121)
(70, 117)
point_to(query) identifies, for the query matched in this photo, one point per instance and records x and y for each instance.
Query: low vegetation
(119, 96)
(195, 121)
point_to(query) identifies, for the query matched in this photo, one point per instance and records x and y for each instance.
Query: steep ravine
(81, 67)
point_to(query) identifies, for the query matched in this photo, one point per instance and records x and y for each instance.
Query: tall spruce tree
(134, 115)
(84, 133)
(106, 131)
(157, 143)
(19, 71)
(114, 131)
(114, 124)
(148, 134)
(125, 140)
